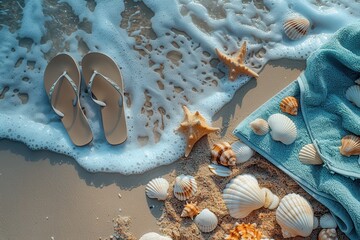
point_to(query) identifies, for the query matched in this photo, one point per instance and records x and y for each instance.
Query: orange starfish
(195, 127)
(236, 64)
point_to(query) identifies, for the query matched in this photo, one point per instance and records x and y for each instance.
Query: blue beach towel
(324, 118)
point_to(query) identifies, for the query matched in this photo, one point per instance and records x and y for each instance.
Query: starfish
(236, 64)
(194, 127)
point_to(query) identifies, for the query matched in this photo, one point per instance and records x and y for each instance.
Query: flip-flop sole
(74, 119)
(113, 116)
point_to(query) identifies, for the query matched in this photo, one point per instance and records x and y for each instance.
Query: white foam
(167, 56)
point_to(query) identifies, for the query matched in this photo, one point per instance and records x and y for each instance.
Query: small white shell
(283, 129)
(157, 188)
(328, 234)
(353, 95)
(316, 223)
(154, 236)
(296, 26)
(327, 221)
(259, 126)
(271, 200)
(309, 155)
(357, 81)
(185, 187)
(220, 170)
(295, 216)
(242, 151)
(206, 220)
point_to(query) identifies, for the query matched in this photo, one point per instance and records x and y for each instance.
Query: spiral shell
(222, 153)
(185, 187)
(242, 195)
(154, 236)
(244, 231)
(296, 26)
(259, 126)
(295, 216)
(157, 188)
(350, 145)
(271, 200)
(353, 95)
(242, 152)
(328, 234)
(327, 221)
(289, 105)
(190, 210)
(309, 155)
(206, 221)
(283, 129)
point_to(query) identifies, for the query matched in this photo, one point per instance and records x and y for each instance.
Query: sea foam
(166, 52)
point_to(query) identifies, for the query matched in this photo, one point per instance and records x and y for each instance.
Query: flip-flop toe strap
(52, 89)
(108, 80)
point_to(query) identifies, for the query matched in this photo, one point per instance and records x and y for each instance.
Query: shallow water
(167, 56)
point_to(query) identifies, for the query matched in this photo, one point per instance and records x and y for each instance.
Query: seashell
(289, 105)
(309, 155)
(185, 187)
(206, 221)
(271, 200)
(327, 221)
(283, 129)
(244, 231)
(296, 26)
(316, 223)
(353, 95)
(295, 216)
(328, 234)
(190, 210)
(154, 236)
(260, 126)
(350, 145)
(157, 188)
(242, 152)
(357, 81)
(220, 170)
(222, 153)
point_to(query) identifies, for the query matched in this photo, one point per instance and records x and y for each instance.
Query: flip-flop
(105, 85)
(62, 85)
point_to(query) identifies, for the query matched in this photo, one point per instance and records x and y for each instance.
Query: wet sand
(49, 196)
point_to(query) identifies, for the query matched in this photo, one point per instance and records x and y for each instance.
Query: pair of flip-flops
(104, 82)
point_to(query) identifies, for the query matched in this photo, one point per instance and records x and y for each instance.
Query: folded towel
(324, 118)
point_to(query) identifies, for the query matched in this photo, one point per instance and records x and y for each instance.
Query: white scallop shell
(327, 221)
(295, 216)
(185, 187)
(283, 129)
(296, 26)
(353, 95)
(309, 155)
(328, 234)
(157, 188)
(154, 236)
(242, 151)
(242, 195)
(259, 126)
(271, 200)
(219, 170)
(206, 220)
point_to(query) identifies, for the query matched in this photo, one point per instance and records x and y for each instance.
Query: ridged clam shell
(327, 221)
(295, 216)
(242, 152)
(259, 126)
(309, 155)
(271, 200)
(154, 236)
(328, 234)
(244, 231)
(185, 187)
(296, 26)
(283, 129)
(242, 195)
(289, 105)
(220, 170)
(206, 221)
(190, 210)
(157, 188)
(350, 145)
(353, 95)
(223, 154)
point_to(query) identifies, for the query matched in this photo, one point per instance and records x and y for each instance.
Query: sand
(49, 196)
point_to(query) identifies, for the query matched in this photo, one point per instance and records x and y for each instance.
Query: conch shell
(223, 154)
(289, 105)
(350, 145)
(190, 210)
(244, 232)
